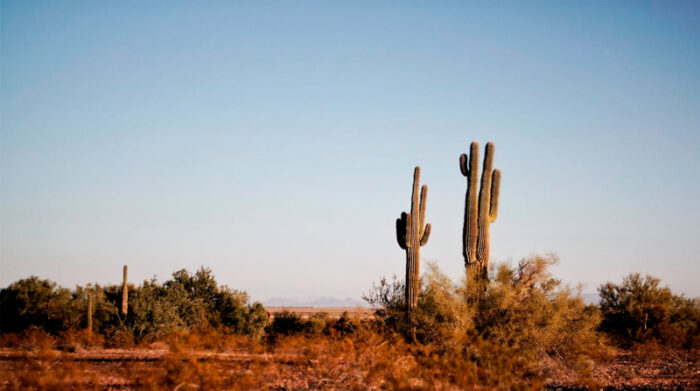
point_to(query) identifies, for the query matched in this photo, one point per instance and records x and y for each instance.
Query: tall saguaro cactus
(125, 293)
(479, 213)
(412, 232)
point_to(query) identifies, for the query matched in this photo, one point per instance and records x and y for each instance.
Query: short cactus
(125, 293)
(478, 215)
(412, 233)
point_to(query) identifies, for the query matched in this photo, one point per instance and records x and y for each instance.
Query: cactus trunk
(479, 213)
(89, 312)
(125, 293)
(411, 233)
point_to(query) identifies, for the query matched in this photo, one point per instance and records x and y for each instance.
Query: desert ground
(293, 367)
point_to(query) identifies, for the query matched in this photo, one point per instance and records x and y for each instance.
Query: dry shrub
(361, 360)
(41, 367)
(527, 309)
(120, 339)
(288, 323)
(495, 335)
(76, 340)
(290, 362)
(44, 370)
(182, 370)
(211, 340)
(31, 339)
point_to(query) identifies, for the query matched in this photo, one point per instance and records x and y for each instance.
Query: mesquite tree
(479, 213)
(412, 232)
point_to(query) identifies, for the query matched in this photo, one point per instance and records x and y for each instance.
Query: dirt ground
(125, 368)
(662, 370)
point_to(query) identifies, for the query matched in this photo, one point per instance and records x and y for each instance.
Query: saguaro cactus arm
(463, 164)
(426, 235)
(495, 189)
(423, 201)
(402, 231)
(485, 191)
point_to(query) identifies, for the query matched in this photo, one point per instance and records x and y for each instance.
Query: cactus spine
(125, 294)
(479, 213)
(412, 233)
(89, 311)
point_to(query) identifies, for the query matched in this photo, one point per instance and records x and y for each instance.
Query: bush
(523, 316)
(288, 323)
(640, 310)
(387, 299)
(34, 302)
(317, 323)
(185, 302)
(529, 310)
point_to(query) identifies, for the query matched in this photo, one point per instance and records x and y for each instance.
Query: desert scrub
(187, 301)
(639, 310)
(34, 302)
(523, 316)
(529, 310)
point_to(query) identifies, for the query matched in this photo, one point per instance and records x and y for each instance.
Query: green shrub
(288, 323)
(185, 302)
(640, 310)
(34, 302)
(317, 323)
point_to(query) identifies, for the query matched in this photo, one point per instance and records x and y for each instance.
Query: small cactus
(411, 234)
(479, 213)
(125, 293)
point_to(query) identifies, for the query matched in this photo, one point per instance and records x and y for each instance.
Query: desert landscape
(366, 195)
(524, 330)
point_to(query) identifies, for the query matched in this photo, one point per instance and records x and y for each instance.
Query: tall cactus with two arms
(479, 213)
(412, 232)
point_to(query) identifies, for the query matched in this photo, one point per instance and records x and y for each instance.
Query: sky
(274, 142)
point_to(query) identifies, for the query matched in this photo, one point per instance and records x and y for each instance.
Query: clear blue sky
(275, 142)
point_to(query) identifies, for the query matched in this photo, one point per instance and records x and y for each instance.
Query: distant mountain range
(313, 302)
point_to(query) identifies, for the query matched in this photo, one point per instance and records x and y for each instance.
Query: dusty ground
(118, 369)
(624, 370)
